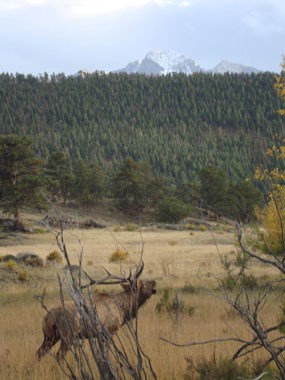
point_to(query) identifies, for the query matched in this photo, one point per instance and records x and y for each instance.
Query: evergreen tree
(171, 210)
(89, 182)
(59, 175)
(243, 198)
(20, 175)
(132, 186)
(214, 189)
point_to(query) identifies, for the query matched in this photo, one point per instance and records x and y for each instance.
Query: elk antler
(110, 279)
(138, 272)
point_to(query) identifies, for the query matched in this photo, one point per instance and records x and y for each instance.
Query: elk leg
(61, 353)
(46, 346)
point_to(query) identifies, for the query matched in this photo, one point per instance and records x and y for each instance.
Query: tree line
(26, 180)
(177, 123)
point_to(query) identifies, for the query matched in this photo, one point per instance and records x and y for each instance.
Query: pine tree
(20, 175)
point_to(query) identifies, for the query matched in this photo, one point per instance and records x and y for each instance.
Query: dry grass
(193, 260)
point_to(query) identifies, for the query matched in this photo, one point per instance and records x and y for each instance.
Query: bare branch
(96, 318)
(256, 378)
(203, 342)
(277, 263)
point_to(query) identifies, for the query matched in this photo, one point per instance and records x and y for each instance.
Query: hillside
(177, 123)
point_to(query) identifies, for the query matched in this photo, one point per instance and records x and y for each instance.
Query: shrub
(190, 289)
(10, 266)
(171, 210)
(245, 281)
(23, 275)
(34, 262)
(203, 227)
(190, 227)
(54, 256)
(119, 255)
(6, 258)
(131, 227)
(172, 242)
(220, 369)
(249, 282)
(173, 305)
(229, 283)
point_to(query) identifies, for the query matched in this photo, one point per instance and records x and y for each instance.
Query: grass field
(173, 258)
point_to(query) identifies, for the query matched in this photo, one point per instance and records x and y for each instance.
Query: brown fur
(63, 323)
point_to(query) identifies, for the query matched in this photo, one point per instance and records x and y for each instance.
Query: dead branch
(107, 354)
(203, 342)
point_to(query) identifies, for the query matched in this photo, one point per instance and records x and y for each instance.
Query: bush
(10, 266)
(171, 210)
(190, 227)
(23, 275)
(173, 305)
(119, 255)
(221, 369)
(245, 281)
(34, 262)
(131, 227)
(6, 258)
(249, 282)
(54, 256)
(190, 289)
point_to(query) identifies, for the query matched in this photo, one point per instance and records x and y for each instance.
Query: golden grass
(193, 260)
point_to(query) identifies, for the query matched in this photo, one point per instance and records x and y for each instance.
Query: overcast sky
(38, 36)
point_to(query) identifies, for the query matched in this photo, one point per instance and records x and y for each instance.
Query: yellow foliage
(23, 275)
(119, 255)
(272, 219)
(54, 256)
(10, 266)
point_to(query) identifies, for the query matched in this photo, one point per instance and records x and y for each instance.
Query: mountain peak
(161, 62)
(229, 67)
(158, 62)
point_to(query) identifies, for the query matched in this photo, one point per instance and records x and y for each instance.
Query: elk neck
(129, 301)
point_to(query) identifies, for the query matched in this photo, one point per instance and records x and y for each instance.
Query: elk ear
(126, 287)
(139, 284)
(134, 287)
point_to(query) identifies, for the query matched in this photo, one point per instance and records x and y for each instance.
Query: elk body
(63, 322)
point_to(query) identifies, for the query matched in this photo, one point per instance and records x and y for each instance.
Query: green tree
(89, 182)
(59, 175)
(20, 175)
(171, 210)
(243, 199)
(133, 186)
(214, 189)
(280, 86)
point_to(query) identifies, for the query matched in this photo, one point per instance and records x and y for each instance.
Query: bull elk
(63, 321)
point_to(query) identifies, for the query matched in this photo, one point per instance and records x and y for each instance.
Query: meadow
(186, 262)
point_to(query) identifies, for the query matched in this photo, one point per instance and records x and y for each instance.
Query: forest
(178, 124)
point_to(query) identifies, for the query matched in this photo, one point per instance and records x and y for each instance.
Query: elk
(63, 321)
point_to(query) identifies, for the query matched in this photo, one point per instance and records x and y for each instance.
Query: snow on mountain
(162, 62)
(229, 67)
